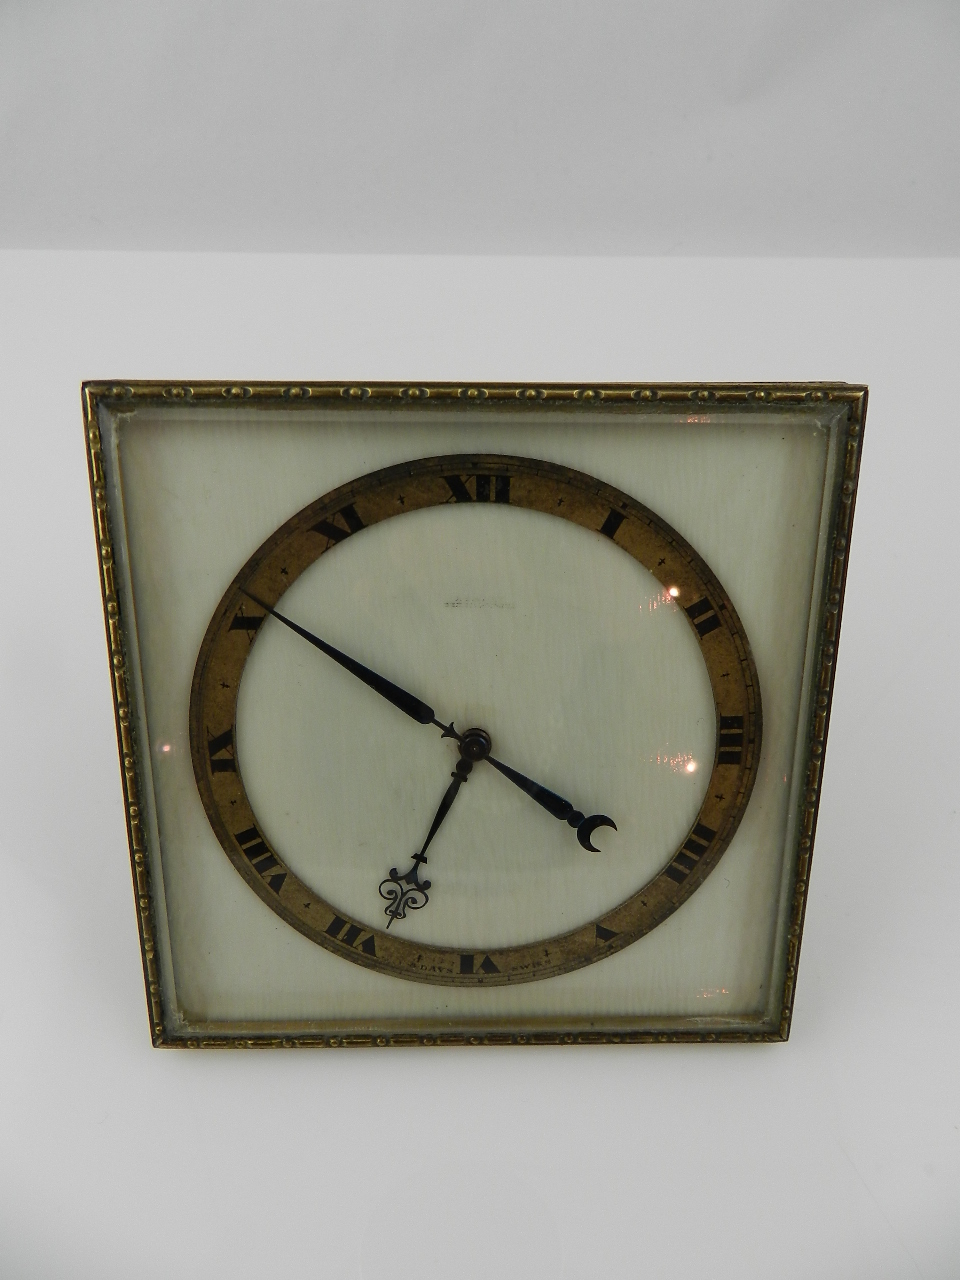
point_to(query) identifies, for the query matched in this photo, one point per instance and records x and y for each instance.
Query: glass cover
(583, 668)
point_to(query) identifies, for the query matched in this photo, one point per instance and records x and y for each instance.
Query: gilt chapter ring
(468, 478)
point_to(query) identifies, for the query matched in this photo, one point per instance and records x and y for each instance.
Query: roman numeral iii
(731, 740)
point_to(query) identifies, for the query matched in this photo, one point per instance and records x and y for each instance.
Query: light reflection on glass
(661, 598)
(680, 762)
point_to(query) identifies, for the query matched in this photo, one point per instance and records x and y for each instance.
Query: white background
(835, 1155)
(507, 126)
(752, 127)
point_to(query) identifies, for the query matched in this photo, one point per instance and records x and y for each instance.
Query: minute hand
(413, 707)
(556, 805)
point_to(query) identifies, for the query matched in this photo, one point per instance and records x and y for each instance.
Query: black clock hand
(413, 707)
(477, 742)
(475, 745)
(400, 900)
(556, 805)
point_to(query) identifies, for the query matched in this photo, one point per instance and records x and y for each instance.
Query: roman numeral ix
(500, 489)
(218, 747)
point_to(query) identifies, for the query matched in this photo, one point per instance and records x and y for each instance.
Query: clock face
(475, 720)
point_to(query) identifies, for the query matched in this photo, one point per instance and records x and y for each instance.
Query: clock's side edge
(124, 720)
(829, 611)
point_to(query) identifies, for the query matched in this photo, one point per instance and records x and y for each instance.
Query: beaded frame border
(850, 401)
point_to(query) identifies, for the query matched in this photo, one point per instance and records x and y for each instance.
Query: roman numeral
(219, 762)
(499, 491)
(261, 859)
(731, 740)
(604, 935)
(486, 964)
(335, 532)
(703, 616)
(694, 847)
(252, 844)
(247, 622)
(612, 523)
(336, 930)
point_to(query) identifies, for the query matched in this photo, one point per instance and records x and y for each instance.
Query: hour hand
(556, 805)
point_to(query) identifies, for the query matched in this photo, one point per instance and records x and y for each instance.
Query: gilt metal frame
(848, 402)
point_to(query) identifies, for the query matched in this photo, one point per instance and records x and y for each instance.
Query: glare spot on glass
(682, 762)
(661, 598)
(165, 747)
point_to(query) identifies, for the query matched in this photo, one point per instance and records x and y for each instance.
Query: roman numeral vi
(468, 964)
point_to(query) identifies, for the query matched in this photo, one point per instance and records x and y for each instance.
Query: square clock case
(471, 714)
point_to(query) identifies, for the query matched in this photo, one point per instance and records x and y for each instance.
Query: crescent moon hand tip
(589, 825)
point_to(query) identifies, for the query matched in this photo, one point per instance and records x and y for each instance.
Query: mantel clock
(471, 713)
